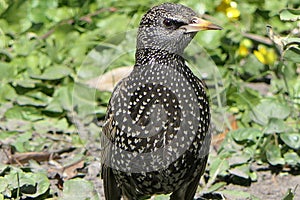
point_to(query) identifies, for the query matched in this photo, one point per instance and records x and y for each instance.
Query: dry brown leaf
(70, 171)
(108, 80)
(218, 139)
(25, 157)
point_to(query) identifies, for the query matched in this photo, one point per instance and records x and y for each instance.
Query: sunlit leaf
(215, 187)
(40, 182)
(246, 134)
(3, 185)
(7, 92)
(275, 126)
(292, 54)
(21, 140)
(59, 14)
(53, 73)
(24, 112)
(274, 155)
(290, 14)
(291, 158)
(269, 108)
(71, 190)
(7, 71)
(218, 166)
(161, 197)
(291, 139)
(233, 194)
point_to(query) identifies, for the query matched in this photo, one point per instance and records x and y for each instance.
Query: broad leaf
(274, 155)
(291, 139)
(290, 14)
(86, 190)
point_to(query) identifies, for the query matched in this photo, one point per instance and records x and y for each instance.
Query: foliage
(50, 48)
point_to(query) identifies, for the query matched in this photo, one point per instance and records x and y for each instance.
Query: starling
(155, 137)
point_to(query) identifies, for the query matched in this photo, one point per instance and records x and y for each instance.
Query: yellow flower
(232, 13)
(243, 51)
(244, 47)
(265, 55)
(230, 9)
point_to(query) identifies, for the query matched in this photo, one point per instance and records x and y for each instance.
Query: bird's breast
(160, 112)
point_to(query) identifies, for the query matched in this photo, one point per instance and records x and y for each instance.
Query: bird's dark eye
(168, 22)
(172, 24)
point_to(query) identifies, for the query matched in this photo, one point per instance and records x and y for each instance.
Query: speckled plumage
(155, 137)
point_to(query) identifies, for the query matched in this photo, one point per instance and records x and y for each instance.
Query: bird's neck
(150, 56)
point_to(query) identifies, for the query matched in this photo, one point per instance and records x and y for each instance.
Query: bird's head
(170, 27)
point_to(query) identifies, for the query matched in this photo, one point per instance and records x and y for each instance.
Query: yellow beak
(199, 24)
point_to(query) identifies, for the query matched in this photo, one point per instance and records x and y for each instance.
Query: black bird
(155, 138)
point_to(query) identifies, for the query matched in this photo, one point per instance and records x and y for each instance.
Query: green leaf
(215, 187)
(86, 191)
(41, 183)
(241, 171)
(62, 99)
(289, 195)
(23, 112)
(14, 126)
(292, 54)
(290, 14)
(274, 7)
(275, 126)
(24, 46)
(246, 134)
(291, 158)
(210, 40)
(20, 142)
(3, 184)
(59, 14)
(84, 99)
(291, 139)
(53, 73)
(38, 9)
(239, 158)
(7, 92)
(27, 83)
(3, 168)
(119, 21)
(54, 106)
(236, 194)
(246, 99)
(253, 66)
(7, 72)
(269, 108)
(218, 166)
(51, 125)
(274, 155)
(162, 197)
(33, 99)
(30, 184)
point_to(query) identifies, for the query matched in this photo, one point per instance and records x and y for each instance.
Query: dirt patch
(270, 185)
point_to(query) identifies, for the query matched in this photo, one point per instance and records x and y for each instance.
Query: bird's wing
(111, 189)
(108, 128)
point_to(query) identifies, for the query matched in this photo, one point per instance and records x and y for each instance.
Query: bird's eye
(168, 22)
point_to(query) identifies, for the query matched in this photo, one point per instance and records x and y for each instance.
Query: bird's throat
(149, 56)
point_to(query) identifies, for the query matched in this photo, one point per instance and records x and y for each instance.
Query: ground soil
(271, 184)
